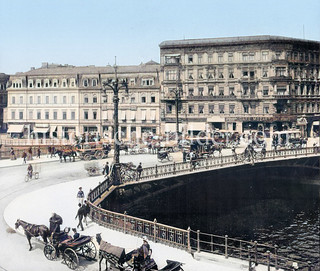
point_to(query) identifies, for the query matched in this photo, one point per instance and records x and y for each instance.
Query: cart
(70, 249)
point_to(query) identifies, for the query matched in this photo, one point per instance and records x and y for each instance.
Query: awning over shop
(133, 115)
(153, 114)
(53, 128)
(41, 130)
(15, 128)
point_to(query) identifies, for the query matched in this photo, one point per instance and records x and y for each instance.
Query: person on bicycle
(30, 171)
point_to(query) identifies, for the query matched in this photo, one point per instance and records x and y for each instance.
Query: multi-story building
(259, 82)
(60, 100)
(3, 99)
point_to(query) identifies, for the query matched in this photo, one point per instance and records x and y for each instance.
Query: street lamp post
(115, 85)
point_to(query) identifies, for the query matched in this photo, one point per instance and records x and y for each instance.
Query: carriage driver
(144, 250)
(55, 222)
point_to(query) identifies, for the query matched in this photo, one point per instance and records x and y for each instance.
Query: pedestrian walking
(80, 195)
(184, 156)
(80, 215)
(38, 152)
(139, 170)
(30, 153)
(86, 213)
(106, 169)
(12, 154)
(24, 157)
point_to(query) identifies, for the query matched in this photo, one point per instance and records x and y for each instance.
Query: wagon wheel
(71, 258)
(50, 252)
(89, 251)
(87, 157)
(93, 171)
(98, 154)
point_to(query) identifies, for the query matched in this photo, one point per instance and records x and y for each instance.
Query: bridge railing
(216, 162)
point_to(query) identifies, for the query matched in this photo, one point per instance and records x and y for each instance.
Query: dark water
(246, 205)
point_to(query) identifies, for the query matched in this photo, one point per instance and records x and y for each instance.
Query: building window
(264, 72)
(38, 84)
(64, 84)
(231, 91)
(245, 89)
(13, 100)
(190, 59)
(245, 109)
(147, 82)
(191, 92)
(231, 74)
(94, 82)
(132, 82)
(211, 108)
(230, 57)
(86, 115)
(201, 91)
(200, 109)
(55, 99)
(245, 73)
(64, 99)
(221, 91)
(21, 99)
(266, 109)
(94, 115)
(265, 55)
(199, 59)
(143, 99)
(30, 114)
(13, 114)
(30, 84)
(153, 99)
(200, 74)
(210, 75)
(85, 83)
(55, 115)
(220, 73)
(280, 71)
(169, 108)
(191, 109)
(73, 99)
(231, 108)
(133, 100)
(39, 99)
(46, 115)
(221, 108)
(94, 99)
(73, 115)
(251, 74)
(72, 83)
(210, 91)
(190, 74)
(251, 56)
(265, 91)
(64, 115)
(210, 58)
(21, 115)
(252, 90)
(220, 58)
(171, 75)
(244, 57)
(47, 99)
(39, 115)
(86, 99)
(278, 54)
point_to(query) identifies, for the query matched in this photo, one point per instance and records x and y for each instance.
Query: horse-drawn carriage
(70, 249)
(90, 150)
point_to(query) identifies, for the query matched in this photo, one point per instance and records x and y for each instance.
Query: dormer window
(94, 82)
(55, 83)
(147, 82)
(30, 84)
(132, 82)
(85, 82)
(64, 83)
(38, 84)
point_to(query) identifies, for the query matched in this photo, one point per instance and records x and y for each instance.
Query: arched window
(85, 82)
(94, 82)
(86, 99)
(94, 99)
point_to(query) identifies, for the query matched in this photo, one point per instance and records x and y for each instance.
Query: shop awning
(133, 115)
(153, 114)
(15, 128)
(41, 130)
(123, 115)
(53, 128)
(143, 114)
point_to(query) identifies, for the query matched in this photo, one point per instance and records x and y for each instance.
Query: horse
(32, 230)
(66, 153)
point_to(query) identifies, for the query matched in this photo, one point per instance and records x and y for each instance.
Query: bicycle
(29, 177)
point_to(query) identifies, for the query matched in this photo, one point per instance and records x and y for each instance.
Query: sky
(93, 32)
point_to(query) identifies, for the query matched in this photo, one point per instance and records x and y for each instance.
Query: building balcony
(249, 97)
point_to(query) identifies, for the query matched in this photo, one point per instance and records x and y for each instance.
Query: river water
(248, 206)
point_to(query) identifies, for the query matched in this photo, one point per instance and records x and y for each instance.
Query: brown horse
(32, 230)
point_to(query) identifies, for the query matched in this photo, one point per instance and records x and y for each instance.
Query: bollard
(240, 250)
(255, 252)
(189, 246)
(226, 246)
(249, 257)
(156, 170)
(154, 229)
(124, 221)
(268, 259)
(198, 240)
(276, 257)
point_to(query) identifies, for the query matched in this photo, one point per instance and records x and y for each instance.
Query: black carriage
(70, 249)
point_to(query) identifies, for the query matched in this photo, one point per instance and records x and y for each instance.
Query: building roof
(231, 40)
(56, 69)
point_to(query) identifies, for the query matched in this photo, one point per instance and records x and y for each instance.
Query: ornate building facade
(61, 100)
(3, 100)
(243, 83)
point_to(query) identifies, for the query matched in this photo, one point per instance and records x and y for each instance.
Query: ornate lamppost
(115, 85)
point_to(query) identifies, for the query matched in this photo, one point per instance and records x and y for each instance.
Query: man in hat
(80, 215)
(55, 222)
(144, 250)
(80, 195)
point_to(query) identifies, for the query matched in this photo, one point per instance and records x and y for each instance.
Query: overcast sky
(92, 32)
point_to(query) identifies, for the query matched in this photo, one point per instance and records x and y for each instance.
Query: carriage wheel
(36, 175)
(27, 178)
(50, 252)
(89, 251)
(87, 157)
(98, 155)
(71, 258)
(170, 158)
